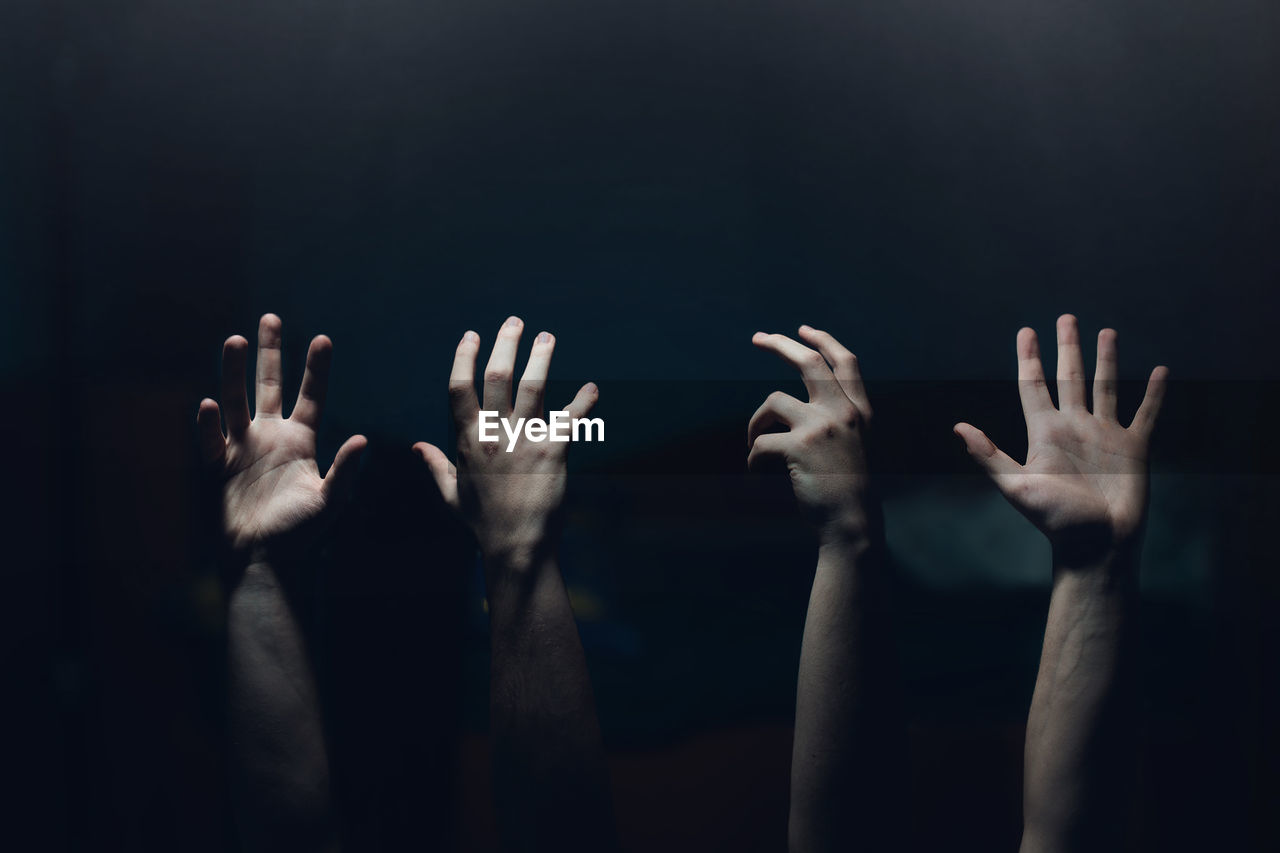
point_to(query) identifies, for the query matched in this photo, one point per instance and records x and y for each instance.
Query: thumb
(342, 473)
(445, 474)
(999, 466)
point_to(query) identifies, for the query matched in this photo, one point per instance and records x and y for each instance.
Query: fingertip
(321, 343)
(270, 324)
(513, 322)
(592, 388)
(1107, 335)
(208, 414)
(1028, 342)
(1160, 374)
(235, 342)
(469, 337)
(544, 338)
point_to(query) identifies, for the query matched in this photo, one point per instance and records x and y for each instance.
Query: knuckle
(817, 435)
(496, 374)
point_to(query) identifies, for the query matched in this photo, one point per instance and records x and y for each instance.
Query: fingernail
(470, 337)
(513, 320)
(806, 328)
(544, 337)
(592, 388)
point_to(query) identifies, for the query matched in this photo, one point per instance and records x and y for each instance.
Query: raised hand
(551, 784)
(844, 787)
(271, 484)
(509, 499)
(272, 494)
(1084, 483)
(823, 447)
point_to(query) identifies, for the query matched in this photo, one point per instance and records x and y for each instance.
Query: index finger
(817, 376)
(843, 363)
(1031, 383)
(462, 381)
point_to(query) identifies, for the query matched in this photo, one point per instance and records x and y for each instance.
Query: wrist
(1116, 561)
(853, 526)
(512, 561)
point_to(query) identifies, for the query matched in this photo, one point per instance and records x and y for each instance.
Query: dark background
(653, 181)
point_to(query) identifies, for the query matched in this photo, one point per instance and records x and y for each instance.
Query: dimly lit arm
(1080, 747)
(273, 499)
(844, 759)
(1084, 485)
(279, 761)
(551, 785)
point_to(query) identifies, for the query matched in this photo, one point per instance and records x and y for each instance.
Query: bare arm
(550, 779)
(282, 795)
(1084, 485)
(842, 758)
(273, 500)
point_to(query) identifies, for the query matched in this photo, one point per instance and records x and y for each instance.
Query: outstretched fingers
(1145, 420)
(269, 387)
(342, 473)
(583, 401)
(462, 382)
(501, 367)
(315, 382)
(1001, 467)
(533, 383)
(1070, 365)
(1032, 387)
(235, 401)
(213, 445)
(1104, 376)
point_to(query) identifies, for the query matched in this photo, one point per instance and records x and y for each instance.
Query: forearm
(551, 780)
(841, 790)
(1080, 739)
(280, 766)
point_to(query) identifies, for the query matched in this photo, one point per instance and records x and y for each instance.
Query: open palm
(271, 484)
(1085, 478)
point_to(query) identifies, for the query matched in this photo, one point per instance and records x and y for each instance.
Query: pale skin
(551, 785)
(273, 501)
(1084, 485)
(842, 777)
